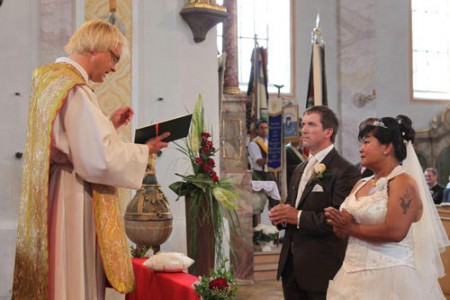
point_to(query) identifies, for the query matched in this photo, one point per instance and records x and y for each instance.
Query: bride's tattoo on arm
(405, 201)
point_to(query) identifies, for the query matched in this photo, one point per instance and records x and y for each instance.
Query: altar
(151, 285)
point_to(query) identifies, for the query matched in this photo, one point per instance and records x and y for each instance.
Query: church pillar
(231, 79)
(233, 149)
(233, 165)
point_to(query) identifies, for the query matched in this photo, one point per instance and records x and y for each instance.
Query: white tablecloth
(270, 187)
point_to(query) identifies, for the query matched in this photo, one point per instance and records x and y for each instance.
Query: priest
(70, 232)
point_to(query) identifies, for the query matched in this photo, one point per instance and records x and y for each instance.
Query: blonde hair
(97, 35)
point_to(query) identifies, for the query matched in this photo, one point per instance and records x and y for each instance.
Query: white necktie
(305, 177)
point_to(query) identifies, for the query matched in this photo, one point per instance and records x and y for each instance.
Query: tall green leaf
(198, 125)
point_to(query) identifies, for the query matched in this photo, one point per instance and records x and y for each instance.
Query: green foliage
(220, 285)
(259, 236)
(197, 126)
(138, 252)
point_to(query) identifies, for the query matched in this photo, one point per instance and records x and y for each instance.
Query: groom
(311, 253)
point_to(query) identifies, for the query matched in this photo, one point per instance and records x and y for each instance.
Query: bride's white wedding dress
(379, 270)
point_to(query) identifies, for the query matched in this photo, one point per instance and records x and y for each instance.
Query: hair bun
(406, 128)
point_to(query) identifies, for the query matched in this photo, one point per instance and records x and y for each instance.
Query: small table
(151, 285)
(269, 187)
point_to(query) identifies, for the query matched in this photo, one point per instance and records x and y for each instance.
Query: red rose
(218, 284)
(207, 168)
(214, 176)
(208, 144)
(205, 135)
(210, 162)
(198, 160)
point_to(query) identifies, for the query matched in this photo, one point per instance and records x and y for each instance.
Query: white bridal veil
(430, 238)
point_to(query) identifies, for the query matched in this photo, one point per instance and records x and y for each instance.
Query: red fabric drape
(151, 285)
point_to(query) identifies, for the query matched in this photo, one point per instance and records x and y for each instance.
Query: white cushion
(169, 262)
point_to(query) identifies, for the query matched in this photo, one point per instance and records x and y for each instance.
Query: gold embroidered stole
(50, 87)
(112, 239)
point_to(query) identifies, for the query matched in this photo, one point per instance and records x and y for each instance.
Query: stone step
(265, 267)
(265, 264)
(265, 259)
(264, 275)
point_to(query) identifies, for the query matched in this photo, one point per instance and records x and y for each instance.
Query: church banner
(290, 123)
(275, 134)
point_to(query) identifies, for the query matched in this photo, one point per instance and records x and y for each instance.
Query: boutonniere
(318, 173)
(319, 170)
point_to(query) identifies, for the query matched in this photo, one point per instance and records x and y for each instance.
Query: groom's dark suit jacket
(317, 252)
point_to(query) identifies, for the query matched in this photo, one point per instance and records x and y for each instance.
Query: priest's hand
(122, 116)
(155, 144)
(283, 213)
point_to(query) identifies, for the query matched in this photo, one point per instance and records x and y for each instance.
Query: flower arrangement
(319, 170)
(138, 252)
(207, 192)
(219, 285)
(264, 233)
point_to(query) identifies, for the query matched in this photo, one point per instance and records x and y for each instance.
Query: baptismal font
(148, 220)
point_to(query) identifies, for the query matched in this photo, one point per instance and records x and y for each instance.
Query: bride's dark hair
(395, 131)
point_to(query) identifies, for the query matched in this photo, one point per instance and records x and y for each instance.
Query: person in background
(395, 234)
(258, 152)
(365, 172)
(311, 253)
(70, 232)
(436, 190)
(446, 198)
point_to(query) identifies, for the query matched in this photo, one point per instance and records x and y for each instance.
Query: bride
(395, 234)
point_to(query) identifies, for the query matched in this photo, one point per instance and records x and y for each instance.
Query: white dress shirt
(254, 153)
(319, 157)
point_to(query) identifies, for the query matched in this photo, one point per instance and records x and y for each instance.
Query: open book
(178, 128)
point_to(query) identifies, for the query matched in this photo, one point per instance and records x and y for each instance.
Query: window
(269, 24)
(431, 49)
